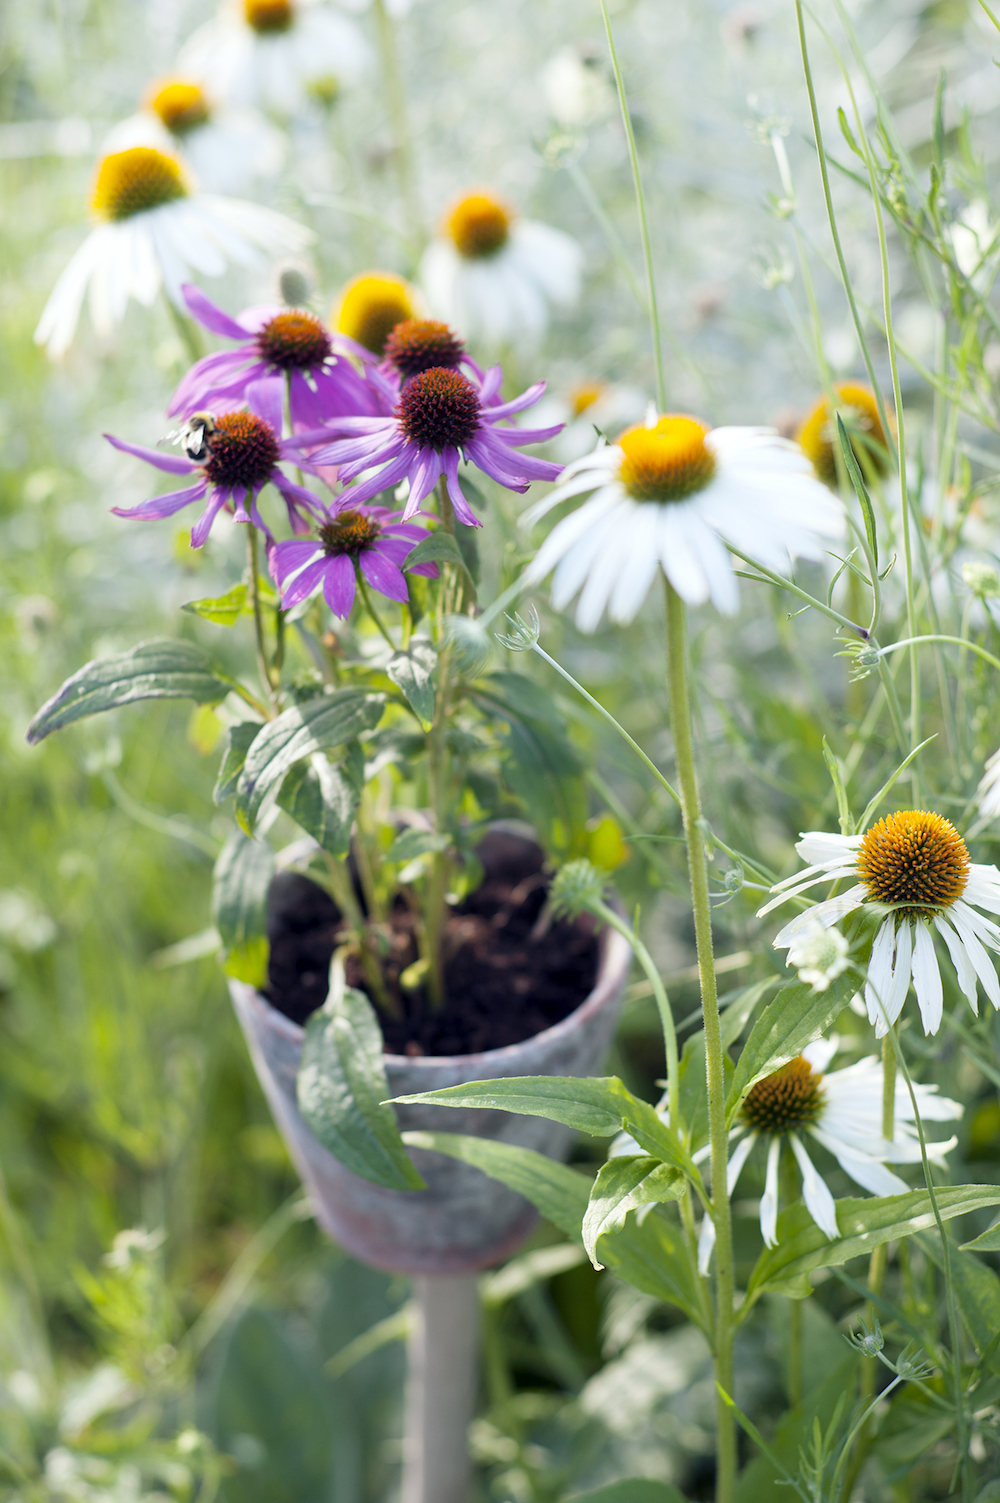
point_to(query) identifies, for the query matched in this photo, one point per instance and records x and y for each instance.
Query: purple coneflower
(234, 454)
(369, 538)
(275, 341)
(440, 417)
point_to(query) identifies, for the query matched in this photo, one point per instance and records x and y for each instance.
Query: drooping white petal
(964, 968)
(769, 1199)
(984, 967)
(815, 1192)
(927, 979)
(793, 892)
(866, 1171)
(737, 1159)
(823, 913)
(878, 980)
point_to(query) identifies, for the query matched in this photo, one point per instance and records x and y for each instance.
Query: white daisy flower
(276, 53)
(155, 230)
(916, 866)
(494, 276)
(841, 1111)
(988, 791)
(225, 148)
(670, 494)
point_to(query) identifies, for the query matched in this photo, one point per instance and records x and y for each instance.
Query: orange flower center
(180, 105)
(293, 341)
(914, 858)
(791, 1098)
(242, 451)
(269, 15)
(371, 306)
(585, 395)
(439, 409)
(417, 344)
(479, 225)
(350, 532)
(667, 462)
(818, 433)
(130, 182)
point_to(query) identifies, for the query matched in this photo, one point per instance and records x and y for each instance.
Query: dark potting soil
(504, 980)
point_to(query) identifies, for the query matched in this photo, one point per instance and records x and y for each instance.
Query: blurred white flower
(670, 494)
(579, 87)
(820, 955)
(604, 406)
(493, 276)
(155, 230)
(973, 237)
(133, 1246)
(842, 1111)
(23, 922)
(225, 148)
(276, 53)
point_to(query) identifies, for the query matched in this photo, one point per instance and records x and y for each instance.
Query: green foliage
(323, 800)
(243, 875)
(413, 673)
(623, 1185)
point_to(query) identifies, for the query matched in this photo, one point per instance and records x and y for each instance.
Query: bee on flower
(225, 148)
(495, 276)
(153, 228)
(915, 867)
(669, 494)
(234, 453)
(841, 1110)
(272, 53)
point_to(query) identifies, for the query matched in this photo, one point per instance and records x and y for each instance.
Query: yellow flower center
(180, 105)
(818, 434)
(479, 225)
(791, 1098)
(914, 858)
(325, 89)
(130, 182)
(668, 461)
(371, 306)
(585, 395)
(350, 532)
(269, 15)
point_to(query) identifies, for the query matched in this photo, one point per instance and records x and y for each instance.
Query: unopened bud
(578, 888)
(294, 286)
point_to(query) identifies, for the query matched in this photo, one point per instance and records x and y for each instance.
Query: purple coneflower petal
(338, 585)
(298, 493)
(491, 384)
(302, 586)
(266, 399)
(162, 506)
(463, 511)
(203, 526)
(391, 475)
(383, 574)
(288, 558)
(424, 476)
(214, 375)
(514, 437)
(173, 465)
(210, 315)
(517, 404)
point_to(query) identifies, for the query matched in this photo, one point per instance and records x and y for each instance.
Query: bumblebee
(195, 437)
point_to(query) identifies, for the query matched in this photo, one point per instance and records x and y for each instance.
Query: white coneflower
(841, 1110)
(916, 866)
(154, 230)
(670, 494)
(276, 53)
(494, 276)
(226, 148)
(819, 955)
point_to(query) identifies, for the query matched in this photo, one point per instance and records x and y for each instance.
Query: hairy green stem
(681, 722)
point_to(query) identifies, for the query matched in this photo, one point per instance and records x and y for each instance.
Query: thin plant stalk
(642, 955)
(264, 667)
(683, 733)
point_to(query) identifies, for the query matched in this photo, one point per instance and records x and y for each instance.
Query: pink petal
(172, 465)
(338, 585)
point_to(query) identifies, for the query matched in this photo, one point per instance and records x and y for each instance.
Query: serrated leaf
(238, 741)
(341, 1089)
(411, 843)
(300, 731)
(413, 674)
(652, 1257)
(323, 801)
(864, 1225)
(158, 669)
(436, 548)
(623, 1185)
(242, 876)
(224, 610)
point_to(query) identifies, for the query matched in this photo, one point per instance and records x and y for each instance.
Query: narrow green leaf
(864, 1225)
(436, 548)
(623, 1185)
(159, 669)
(531, 1268)
(225, 610)
(848, 134)
(342, 1088)
(837, 776)
(237, 744)
(323, 801)
(242, 877)
(326, 721)
(860, 489)
(880, 795)
(988, 1241)
(413, 674)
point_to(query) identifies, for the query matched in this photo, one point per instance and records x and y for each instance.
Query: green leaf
(763, 1477)
(242, 877)
(436, 548)
(413, 674)
(623, 1185)
(468, 547)
(988, 1241)
(342, 1088)
(796, 1017)
(874, 802)
(323, 801)
(837, 776)
(860, 489)
(237, 744)
(595, 1105)
(652, 1258)
(864, 1225)
(411, 843)
(225, 610)
(160, 669)
(633, 1490)
(300, 731)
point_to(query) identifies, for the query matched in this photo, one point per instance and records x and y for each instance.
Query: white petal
(819, 848)
(739, 1157)
(820, 1052)
(769, 1199)
(866, 1171)
(879, 978)
(984, 966)
(823, 913)
(815, 1192)
(964, 968)
(927, 979)
(638, 569)
(793, 892)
